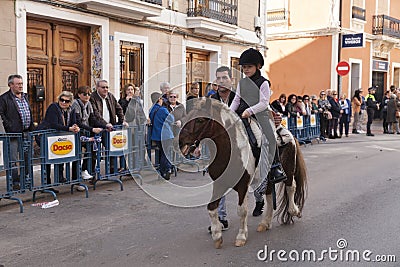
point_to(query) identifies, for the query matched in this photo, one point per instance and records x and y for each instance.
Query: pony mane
(220, 112)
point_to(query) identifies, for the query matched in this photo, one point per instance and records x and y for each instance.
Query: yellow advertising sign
(62, 146)
(118, 140)
(313, 120)
(284, 122)
(299, 122)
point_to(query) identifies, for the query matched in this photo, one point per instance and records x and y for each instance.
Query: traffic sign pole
(342, 69)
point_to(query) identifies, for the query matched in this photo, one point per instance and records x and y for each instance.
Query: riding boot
(277, 174)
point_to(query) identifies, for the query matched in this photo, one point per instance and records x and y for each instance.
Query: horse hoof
(240, 242)
(294, 212)
(262, 228)
(218, 243)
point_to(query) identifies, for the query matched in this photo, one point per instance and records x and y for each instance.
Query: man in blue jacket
(162, 133)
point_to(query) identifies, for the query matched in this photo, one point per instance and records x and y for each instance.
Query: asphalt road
(353, 197)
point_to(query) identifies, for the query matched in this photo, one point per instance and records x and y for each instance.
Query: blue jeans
(165, 165)
(222, 209)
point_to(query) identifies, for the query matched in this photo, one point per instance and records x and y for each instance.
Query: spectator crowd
(99, 111)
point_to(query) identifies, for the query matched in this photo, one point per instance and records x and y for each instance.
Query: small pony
(234, 166)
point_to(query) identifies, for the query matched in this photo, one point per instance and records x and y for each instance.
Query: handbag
(397, 114)
(327, 115)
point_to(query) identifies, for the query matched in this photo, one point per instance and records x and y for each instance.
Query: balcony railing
(222, 10)
(277, 15)
(386, 25)
(358, 13)
(157, 2)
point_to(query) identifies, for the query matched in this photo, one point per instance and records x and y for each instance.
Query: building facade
(63, 44)
(306, 40)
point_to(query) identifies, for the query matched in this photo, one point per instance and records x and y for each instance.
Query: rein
(196, 143)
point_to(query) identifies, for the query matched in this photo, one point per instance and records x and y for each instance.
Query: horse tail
(299, 173)
(300, 178)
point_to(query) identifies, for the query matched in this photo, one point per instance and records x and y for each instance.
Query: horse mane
(218, 111)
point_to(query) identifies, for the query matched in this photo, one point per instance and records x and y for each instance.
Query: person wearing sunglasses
(211, 88)
(87, 120)
(177, 109)
(61, 117)
(106, 105)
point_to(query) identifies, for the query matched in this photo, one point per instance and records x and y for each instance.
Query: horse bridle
(196, 143)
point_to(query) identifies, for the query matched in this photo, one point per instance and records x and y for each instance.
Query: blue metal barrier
(119, 144)
(304, 128)
(60, 149)
(137, 158)
(12, 167)
(124, 146)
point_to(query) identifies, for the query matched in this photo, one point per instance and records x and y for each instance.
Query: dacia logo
(118, 140)
(62, 146)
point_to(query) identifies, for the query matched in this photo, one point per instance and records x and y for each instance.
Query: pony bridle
(196, 143)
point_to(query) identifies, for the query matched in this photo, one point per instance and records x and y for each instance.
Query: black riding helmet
(251, 57)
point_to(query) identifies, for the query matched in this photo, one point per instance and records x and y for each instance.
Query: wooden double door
(58, 59)
(197, 69)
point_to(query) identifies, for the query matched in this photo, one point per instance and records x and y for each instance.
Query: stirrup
(277, 179)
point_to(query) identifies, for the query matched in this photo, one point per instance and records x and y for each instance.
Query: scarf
(65, 114)
(86, 110)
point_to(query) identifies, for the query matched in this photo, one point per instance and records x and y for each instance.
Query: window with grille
(236, 71)
(131, 61)
(35, 78)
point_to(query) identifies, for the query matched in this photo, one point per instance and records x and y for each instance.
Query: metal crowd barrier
(113, 147)
(304, 128)
(61, 153)
(9, 166)
(62, 150)
(118, 153)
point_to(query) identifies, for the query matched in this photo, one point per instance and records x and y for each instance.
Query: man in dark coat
(106, 105)
(17, 118)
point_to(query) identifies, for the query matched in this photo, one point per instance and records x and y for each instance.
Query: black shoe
(331, 137)
(63, 180)
(338, 136)
(167, 175)
(258, 210)
(370, 134)
(354, 131)
(225, 225)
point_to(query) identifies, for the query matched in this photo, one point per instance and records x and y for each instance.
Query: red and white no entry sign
(342, 68)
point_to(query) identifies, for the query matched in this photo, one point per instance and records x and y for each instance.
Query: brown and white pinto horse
(234, 166)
